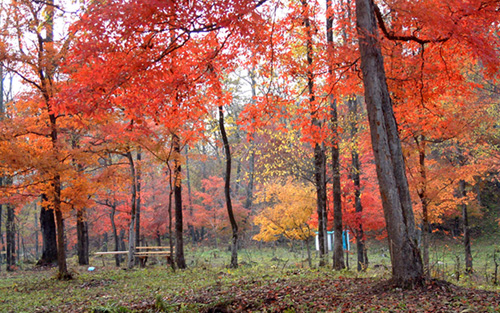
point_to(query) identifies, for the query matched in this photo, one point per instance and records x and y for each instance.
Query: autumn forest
(242, 124)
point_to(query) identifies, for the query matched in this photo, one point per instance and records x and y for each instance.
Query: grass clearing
(268, 280)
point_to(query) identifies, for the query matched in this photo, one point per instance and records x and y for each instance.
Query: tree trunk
(49, 239)
(422, 194)
(238, 177)
(407, 268)
(227, 192)
(105, 242)
(338, 249)
(115, 233)
(18, 250)
(170, 232)
(319, 151)
(355, 176)
(2, 247)
(46, 75)
(251, 170)
(83, 237)
(465, 216)
(251, 159)
(308, 247)
(10, 230)
(122, 243)
(2, 115)
(179, 241)
(190, 199)
(35, 222)
(63, 273)
(138, 202)
(158, 238)
(133, 203)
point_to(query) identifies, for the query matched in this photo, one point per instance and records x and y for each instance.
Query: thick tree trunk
(465, 217)
(179, 240)
(133, 203)
(338, 249)
(49, 239)
(63, 273)
(82, 231)
(406, 262)
(320, 181)
(227, 192)
(10, 230)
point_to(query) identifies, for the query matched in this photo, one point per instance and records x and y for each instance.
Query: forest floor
(268, 280)
(251, 288)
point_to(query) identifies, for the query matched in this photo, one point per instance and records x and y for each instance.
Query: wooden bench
(102, 254)
(142, 253)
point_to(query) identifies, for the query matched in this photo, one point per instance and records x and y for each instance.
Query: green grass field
(268, 280)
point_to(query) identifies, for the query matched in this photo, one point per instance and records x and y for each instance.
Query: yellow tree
(288, 209)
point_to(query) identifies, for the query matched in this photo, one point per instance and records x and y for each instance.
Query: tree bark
(115, 233)
(170, 232)
(138, 202)
(63, 273)
(49, 239)
(355, 176)
(82, 230)
(1, 235)
(338, 249)
(133, 203)
(227, 192)
(251, 160)
(179, 241)
(465, 216)
(424, 201)
(190, 198)
(35, 222)
(10, 230)
(2, 115)
(319, 151)
(46, 74)
(407, 268)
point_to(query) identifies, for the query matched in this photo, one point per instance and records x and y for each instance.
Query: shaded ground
(248, 289)
(340, 295)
